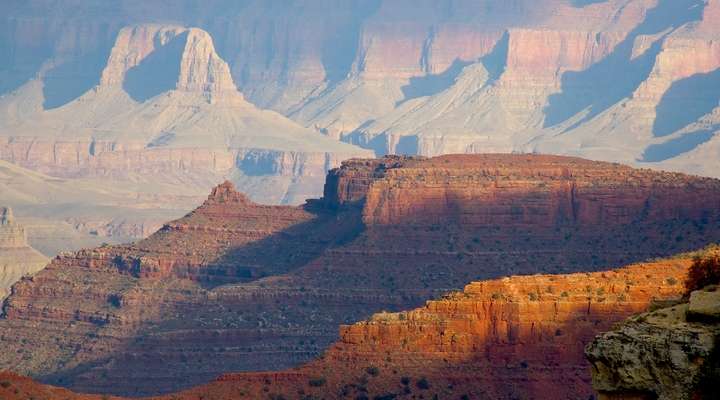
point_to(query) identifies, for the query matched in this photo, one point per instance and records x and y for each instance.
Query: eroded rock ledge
(670, 353)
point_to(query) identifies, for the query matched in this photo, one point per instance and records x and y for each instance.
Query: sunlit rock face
(240, 286)
(519, 336)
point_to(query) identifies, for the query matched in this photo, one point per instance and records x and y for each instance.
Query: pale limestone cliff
(166, 107)
(17, 259)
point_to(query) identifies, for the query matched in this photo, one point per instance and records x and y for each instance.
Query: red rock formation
(239, 286)
(516, 337)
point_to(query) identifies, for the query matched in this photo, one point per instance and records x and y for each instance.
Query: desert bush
(704, 271)
(317, 382)
(5, 384)
(373, 371)
(423, 384)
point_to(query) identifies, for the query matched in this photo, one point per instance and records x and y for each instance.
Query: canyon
(240, 286)
(508, 338)
(142, 94)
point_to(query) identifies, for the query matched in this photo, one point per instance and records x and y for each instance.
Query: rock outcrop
(117, 93)
(238, 286)
(17, 258)
(667, 354)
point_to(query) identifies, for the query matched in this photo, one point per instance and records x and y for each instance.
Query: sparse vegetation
(423, 384)
(373, 371)
(317, 382)
(705, 271)
(533, 296)
(5, 384)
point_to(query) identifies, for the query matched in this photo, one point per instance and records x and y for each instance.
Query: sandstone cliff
(17, 258)
(238, 286)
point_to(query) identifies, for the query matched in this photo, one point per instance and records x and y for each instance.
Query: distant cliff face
(165, 106)
(17, 258)
(616, 80)
(214, 290)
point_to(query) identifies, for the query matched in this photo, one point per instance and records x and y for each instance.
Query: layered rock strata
(166, 106)
(515, 337)
(236, 286)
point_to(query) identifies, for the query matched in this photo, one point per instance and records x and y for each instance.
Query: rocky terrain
(514, 337)
(667, 353)
(238, 286)
(140, 93)
(165, 107)
(17, 259)
(164, 113)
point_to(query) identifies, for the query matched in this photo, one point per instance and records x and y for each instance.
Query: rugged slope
(558, 88)
(17, 259)
(619, 80)
(166, 106)
(239, 286)
(515, 337)
(668, 353)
